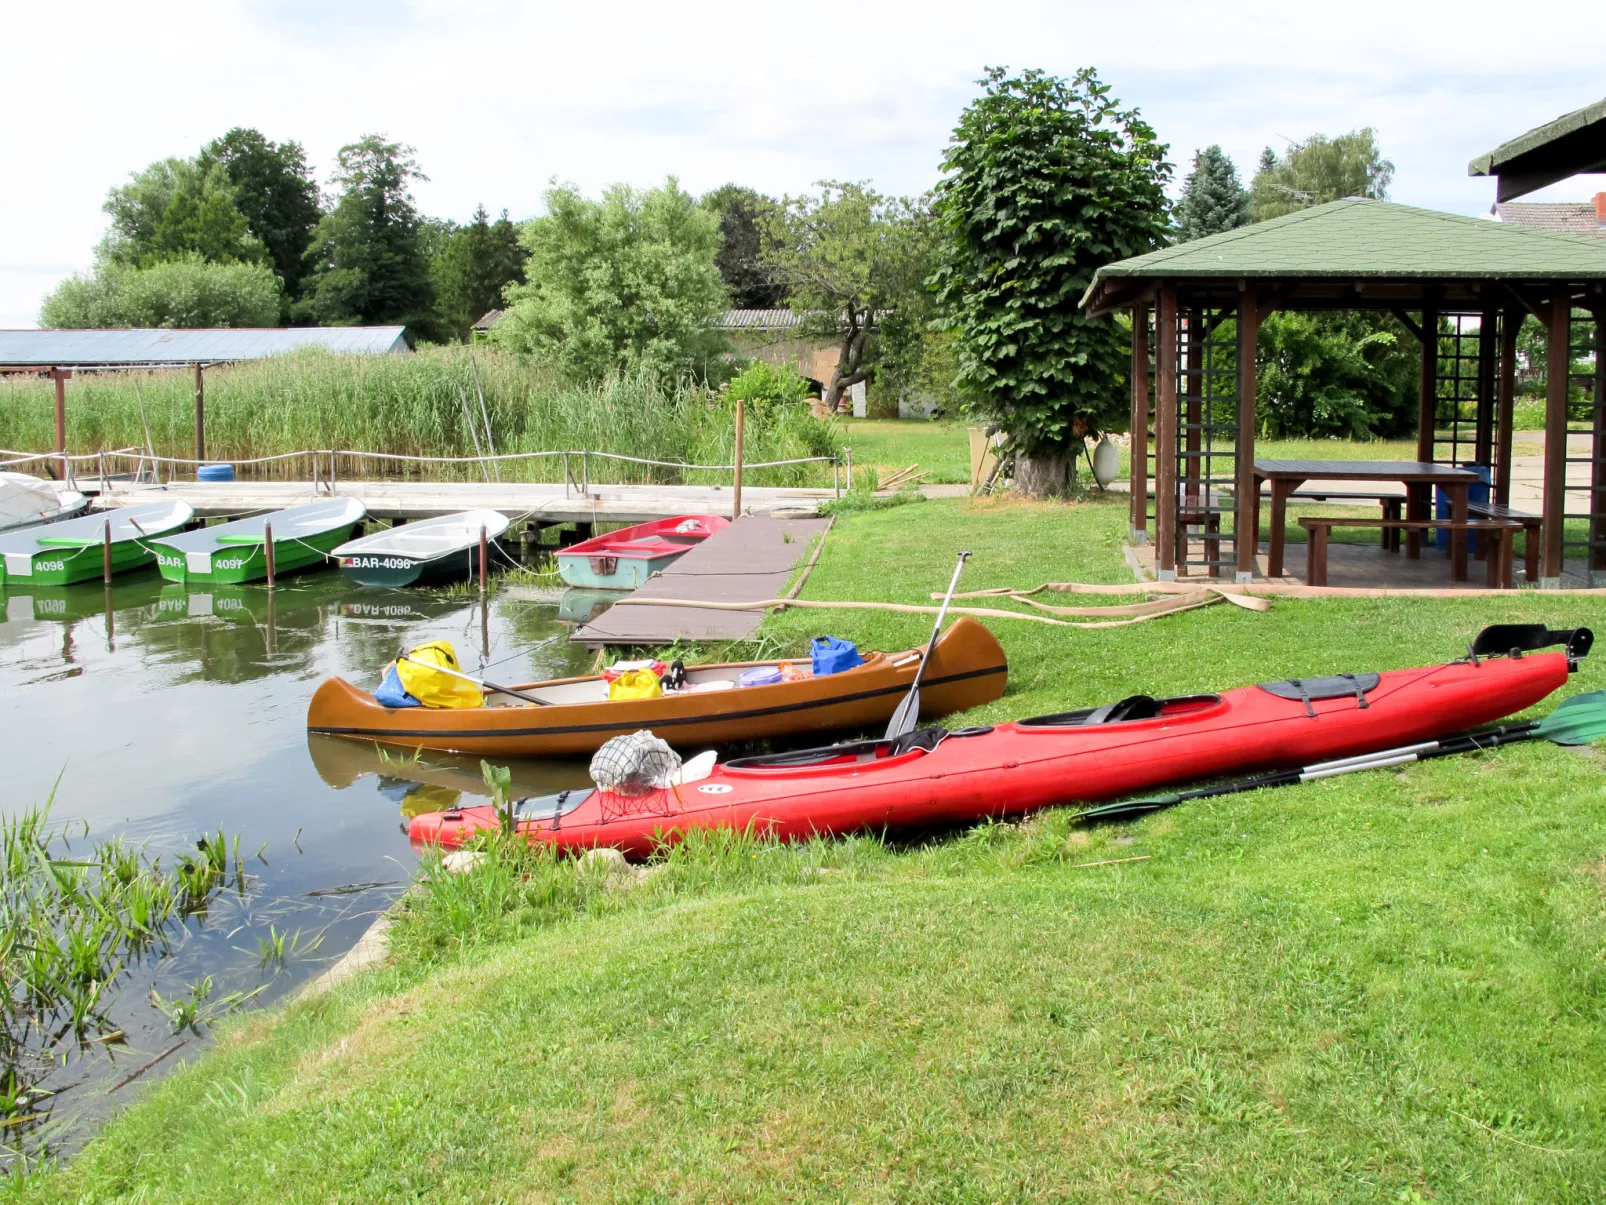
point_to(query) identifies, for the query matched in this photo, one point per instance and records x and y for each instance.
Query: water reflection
(167, 712)
(429, 781)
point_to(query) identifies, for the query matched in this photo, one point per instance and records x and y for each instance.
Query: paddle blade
(1128, 807)
(1578, 721)
(907, 716)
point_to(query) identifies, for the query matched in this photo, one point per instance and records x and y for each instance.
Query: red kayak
(936, 777)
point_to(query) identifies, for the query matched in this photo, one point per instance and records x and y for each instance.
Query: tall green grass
(419, 405)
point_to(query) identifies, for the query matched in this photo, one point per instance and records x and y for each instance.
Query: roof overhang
(1569, 146)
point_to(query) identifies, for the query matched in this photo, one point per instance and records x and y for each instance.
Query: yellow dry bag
(421, 679)
(635, 684)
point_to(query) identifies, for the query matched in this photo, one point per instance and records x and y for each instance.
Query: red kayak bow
(936, 777)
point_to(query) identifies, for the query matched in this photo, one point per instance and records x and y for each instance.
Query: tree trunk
(1049, 474)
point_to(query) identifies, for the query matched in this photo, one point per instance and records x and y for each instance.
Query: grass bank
(1386, 987)
(418, 405)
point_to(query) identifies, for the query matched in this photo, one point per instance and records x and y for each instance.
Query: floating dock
(540, 502)
(749, 561)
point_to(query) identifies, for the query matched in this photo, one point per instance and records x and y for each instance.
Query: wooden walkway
(748, 561)
(541, 502)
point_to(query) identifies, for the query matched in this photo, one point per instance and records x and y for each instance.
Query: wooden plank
(748, 561)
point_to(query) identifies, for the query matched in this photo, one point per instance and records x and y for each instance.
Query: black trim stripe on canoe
(667, 722)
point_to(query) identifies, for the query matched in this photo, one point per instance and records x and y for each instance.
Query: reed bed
(426, 404)
(72, 923)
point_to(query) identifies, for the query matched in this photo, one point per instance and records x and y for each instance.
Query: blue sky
(499, 98)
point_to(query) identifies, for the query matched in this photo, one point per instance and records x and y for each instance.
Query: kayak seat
(1335, 686)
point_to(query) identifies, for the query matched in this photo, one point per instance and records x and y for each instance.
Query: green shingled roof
(1573, 143)
(1358, 239)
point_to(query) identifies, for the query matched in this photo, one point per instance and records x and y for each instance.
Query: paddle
(908, 714)
(480, 682)
(1578, 721)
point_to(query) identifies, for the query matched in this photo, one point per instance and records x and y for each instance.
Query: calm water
(166, 713)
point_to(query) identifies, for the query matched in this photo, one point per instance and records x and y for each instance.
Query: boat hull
(460, 564)
(967, 669)
(1021, 767)
(68, 566)
(239, 563)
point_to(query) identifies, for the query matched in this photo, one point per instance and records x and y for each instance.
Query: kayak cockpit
(1131, 709)
(853, 754)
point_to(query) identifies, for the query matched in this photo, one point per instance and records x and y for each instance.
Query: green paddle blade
(1578, 721)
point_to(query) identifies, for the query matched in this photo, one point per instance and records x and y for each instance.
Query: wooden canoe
(967, 669)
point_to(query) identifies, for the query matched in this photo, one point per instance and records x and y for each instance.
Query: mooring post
(484, 550)
(106, 553)
(267, 550)
(200, 414)
(741, 414)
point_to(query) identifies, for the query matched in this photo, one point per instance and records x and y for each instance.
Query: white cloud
(498, 97)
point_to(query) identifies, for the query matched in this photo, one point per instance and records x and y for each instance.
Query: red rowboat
(625, 559)
(934, 777)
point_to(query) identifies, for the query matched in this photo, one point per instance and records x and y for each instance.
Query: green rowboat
(59, 554)
(237, 552)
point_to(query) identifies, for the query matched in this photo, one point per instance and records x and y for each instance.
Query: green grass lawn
(1377, 988)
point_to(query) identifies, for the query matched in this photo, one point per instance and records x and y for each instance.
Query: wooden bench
(1393, 508)
(1499, 556)
(1531, 524)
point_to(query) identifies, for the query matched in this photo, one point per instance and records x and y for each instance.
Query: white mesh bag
(634, 765)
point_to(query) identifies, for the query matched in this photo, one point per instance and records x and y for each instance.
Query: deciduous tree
(1318, 170)
(274, 189)
(849, 257)
(624, 281)
(1045, 180)
(183, 292)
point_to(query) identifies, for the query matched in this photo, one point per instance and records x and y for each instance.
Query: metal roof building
(60, 353)
(142, 348)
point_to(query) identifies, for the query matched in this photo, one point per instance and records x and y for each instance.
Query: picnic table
(1418, 477)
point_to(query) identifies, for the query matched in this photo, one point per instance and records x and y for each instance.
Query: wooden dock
(748, 561)
(540, 502)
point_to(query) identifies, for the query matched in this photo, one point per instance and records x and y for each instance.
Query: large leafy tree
(273, 189)
(1045, 180)
(177, 208)
(626, 281)
(850, 258)
(743, 214)
(367, 256)
(472, 265)
(1212, 198)
(184, 292)
(1318, 170)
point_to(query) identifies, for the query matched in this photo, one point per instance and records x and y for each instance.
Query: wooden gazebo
(1461, 286)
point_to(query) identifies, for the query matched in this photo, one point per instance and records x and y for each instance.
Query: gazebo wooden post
(1597, 476)
(1138, 476)
(1165, 449)
(1488, 332)
(1246, 524)
(1558, 363)
(1419, 503)
(1192, 387)
(1506, 403)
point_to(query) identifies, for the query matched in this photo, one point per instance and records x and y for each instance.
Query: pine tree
(1212, 199)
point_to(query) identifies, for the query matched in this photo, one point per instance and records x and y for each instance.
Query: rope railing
(318, 455)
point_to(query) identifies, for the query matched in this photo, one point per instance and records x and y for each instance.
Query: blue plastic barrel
(1476, 492)
(215, 472)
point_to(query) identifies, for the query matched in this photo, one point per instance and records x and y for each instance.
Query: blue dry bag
(832, 656)
(392, 693)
